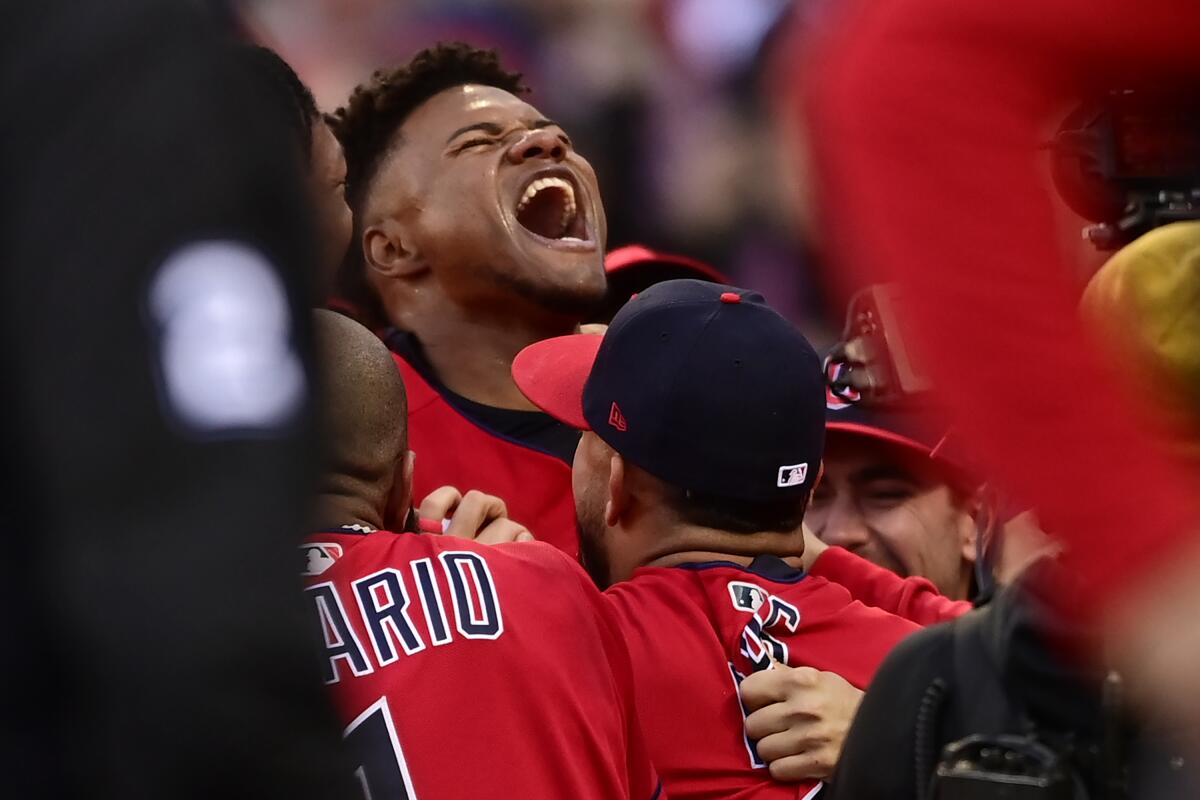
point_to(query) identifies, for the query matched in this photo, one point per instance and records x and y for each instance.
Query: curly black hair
(366, 126)
(367, 123)
(280, 86)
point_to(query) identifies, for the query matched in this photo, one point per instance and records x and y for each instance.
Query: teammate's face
(895, 512)
(590, 478)
(327, 180)
(494, 201)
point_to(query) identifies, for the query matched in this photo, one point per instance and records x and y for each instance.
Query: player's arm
(913, 598)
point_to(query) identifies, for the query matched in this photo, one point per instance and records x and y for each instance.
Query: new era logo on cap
(616, 418)
(792, 475)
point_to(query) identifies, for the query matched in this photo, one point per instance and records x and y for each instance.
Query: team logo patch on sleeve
(792, 475)
(318, 557)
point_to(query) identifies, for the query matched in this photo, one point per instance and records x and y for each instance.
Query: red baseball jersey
(465, 671)
(454, 450)
(695, 630)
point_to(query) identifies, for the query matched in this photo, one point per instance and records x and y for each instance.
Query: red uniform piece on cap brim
(553, 372)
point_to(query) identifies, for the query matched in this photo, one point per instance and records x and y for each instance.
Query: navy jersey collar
(772, 568)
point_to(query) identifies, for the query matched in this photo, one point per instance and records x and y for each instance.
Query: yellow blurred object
(1146, 300)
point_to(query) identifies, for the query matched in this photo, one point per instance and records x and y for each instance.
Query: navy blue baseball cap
(702, 385)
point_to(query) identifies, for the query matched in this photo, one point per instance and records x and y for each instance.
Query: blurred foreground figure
(280, 88)
(1145, 301)
(917, 109)
(462, 670)
(158, 446)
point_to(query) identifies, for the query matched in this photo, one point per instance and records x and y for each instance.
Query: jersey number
(382, 770)
(759, 645)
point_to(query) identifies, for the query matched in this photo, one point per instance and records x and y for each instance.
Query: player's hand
(477, 516)
(799, 717)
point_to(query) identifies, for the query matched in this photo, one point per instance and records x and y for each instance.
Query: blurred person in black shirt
(280, 87)
(159, 443)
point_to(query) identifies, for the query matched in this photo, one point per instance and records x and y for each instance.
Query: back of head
(364, 404)
(281, 89)
(705, 389)
(367, 125)
(1146, 301)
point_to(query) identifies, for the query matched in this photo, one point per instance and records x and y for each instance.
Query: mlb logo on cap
(792, 475)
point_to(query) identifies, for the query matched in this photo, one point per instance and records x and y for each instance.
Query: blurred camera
(1003, 768)
(1129, 162)
(872, 363)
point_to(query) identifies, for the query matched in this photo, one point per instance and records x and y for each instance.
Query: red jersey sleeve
(927, 118)
(644, 782)
(913, 598)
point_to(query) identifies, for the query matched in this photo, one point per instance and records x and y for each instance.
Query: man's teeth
(568, 214)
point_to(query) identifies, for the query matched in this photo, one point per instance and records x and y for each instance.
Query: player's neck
(332, 511)
(472, 354)
(693, 544)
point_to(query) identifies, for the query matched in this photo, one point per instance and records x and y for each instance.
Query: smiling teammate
(891, 495)
(479, 231)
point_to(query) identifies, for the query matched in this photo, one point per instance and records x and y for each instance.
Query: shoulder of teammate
(531, 560)
(547, 565)
(361, 551)
(644, 782)
(841, 634)
(822, 600)
(769, 608)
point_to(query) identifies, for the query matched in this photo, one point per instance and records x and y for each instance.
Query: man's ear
(387, 252)
(405, 478)
(400, 499)
(970, 545)
(979, 513)
(618, 492)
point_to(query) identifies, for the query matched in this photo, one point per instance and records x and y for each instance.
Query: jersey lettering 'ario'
(405, 611)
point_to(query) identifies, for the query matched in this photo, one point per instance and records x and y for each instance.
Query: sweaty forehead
(414, 156)
(432, 122)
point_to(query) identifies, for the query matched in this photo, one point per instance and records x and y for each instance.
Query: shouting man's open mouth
(552, 208)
